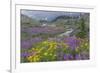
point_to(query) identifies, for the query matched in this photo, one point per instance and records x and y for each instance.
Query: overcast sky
(49, 15)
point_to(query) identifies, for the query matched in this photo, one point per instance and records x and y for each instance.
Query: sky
(47, 15)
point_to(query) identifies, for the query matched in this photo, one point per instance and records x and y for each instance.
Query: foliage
(82, 28)
(68, 49)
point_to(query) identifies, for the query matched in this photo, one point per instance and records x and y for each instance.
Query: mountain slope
(25, 20)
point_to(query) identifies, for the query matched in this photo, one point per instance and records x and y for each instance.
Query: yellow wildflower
(45, 53)
(30, 58)
(86, 44)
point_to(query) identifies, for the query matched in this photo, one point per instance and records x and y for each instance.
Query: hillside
(25, 20)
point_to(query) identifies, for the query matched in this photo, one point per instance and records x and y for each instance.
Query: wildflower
(86, 44)
(70, 56)
(51, 54)
(45, 54)
(67, 56)
(30, 58)
(25, 44)
(77, 57)
(72, 42)
(24, 54)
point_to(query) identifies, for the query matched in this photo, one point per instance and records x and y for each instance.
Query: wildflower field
(54, 36)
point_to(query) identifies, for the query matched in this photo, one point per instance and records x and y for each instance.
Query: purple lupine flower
(44, 30)
(37, 30)
(77, 57)
(26, 44)
(24, 54)
(72, 42)
(36, 40)
(65, 57)
(34, 30)
(68, 56)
